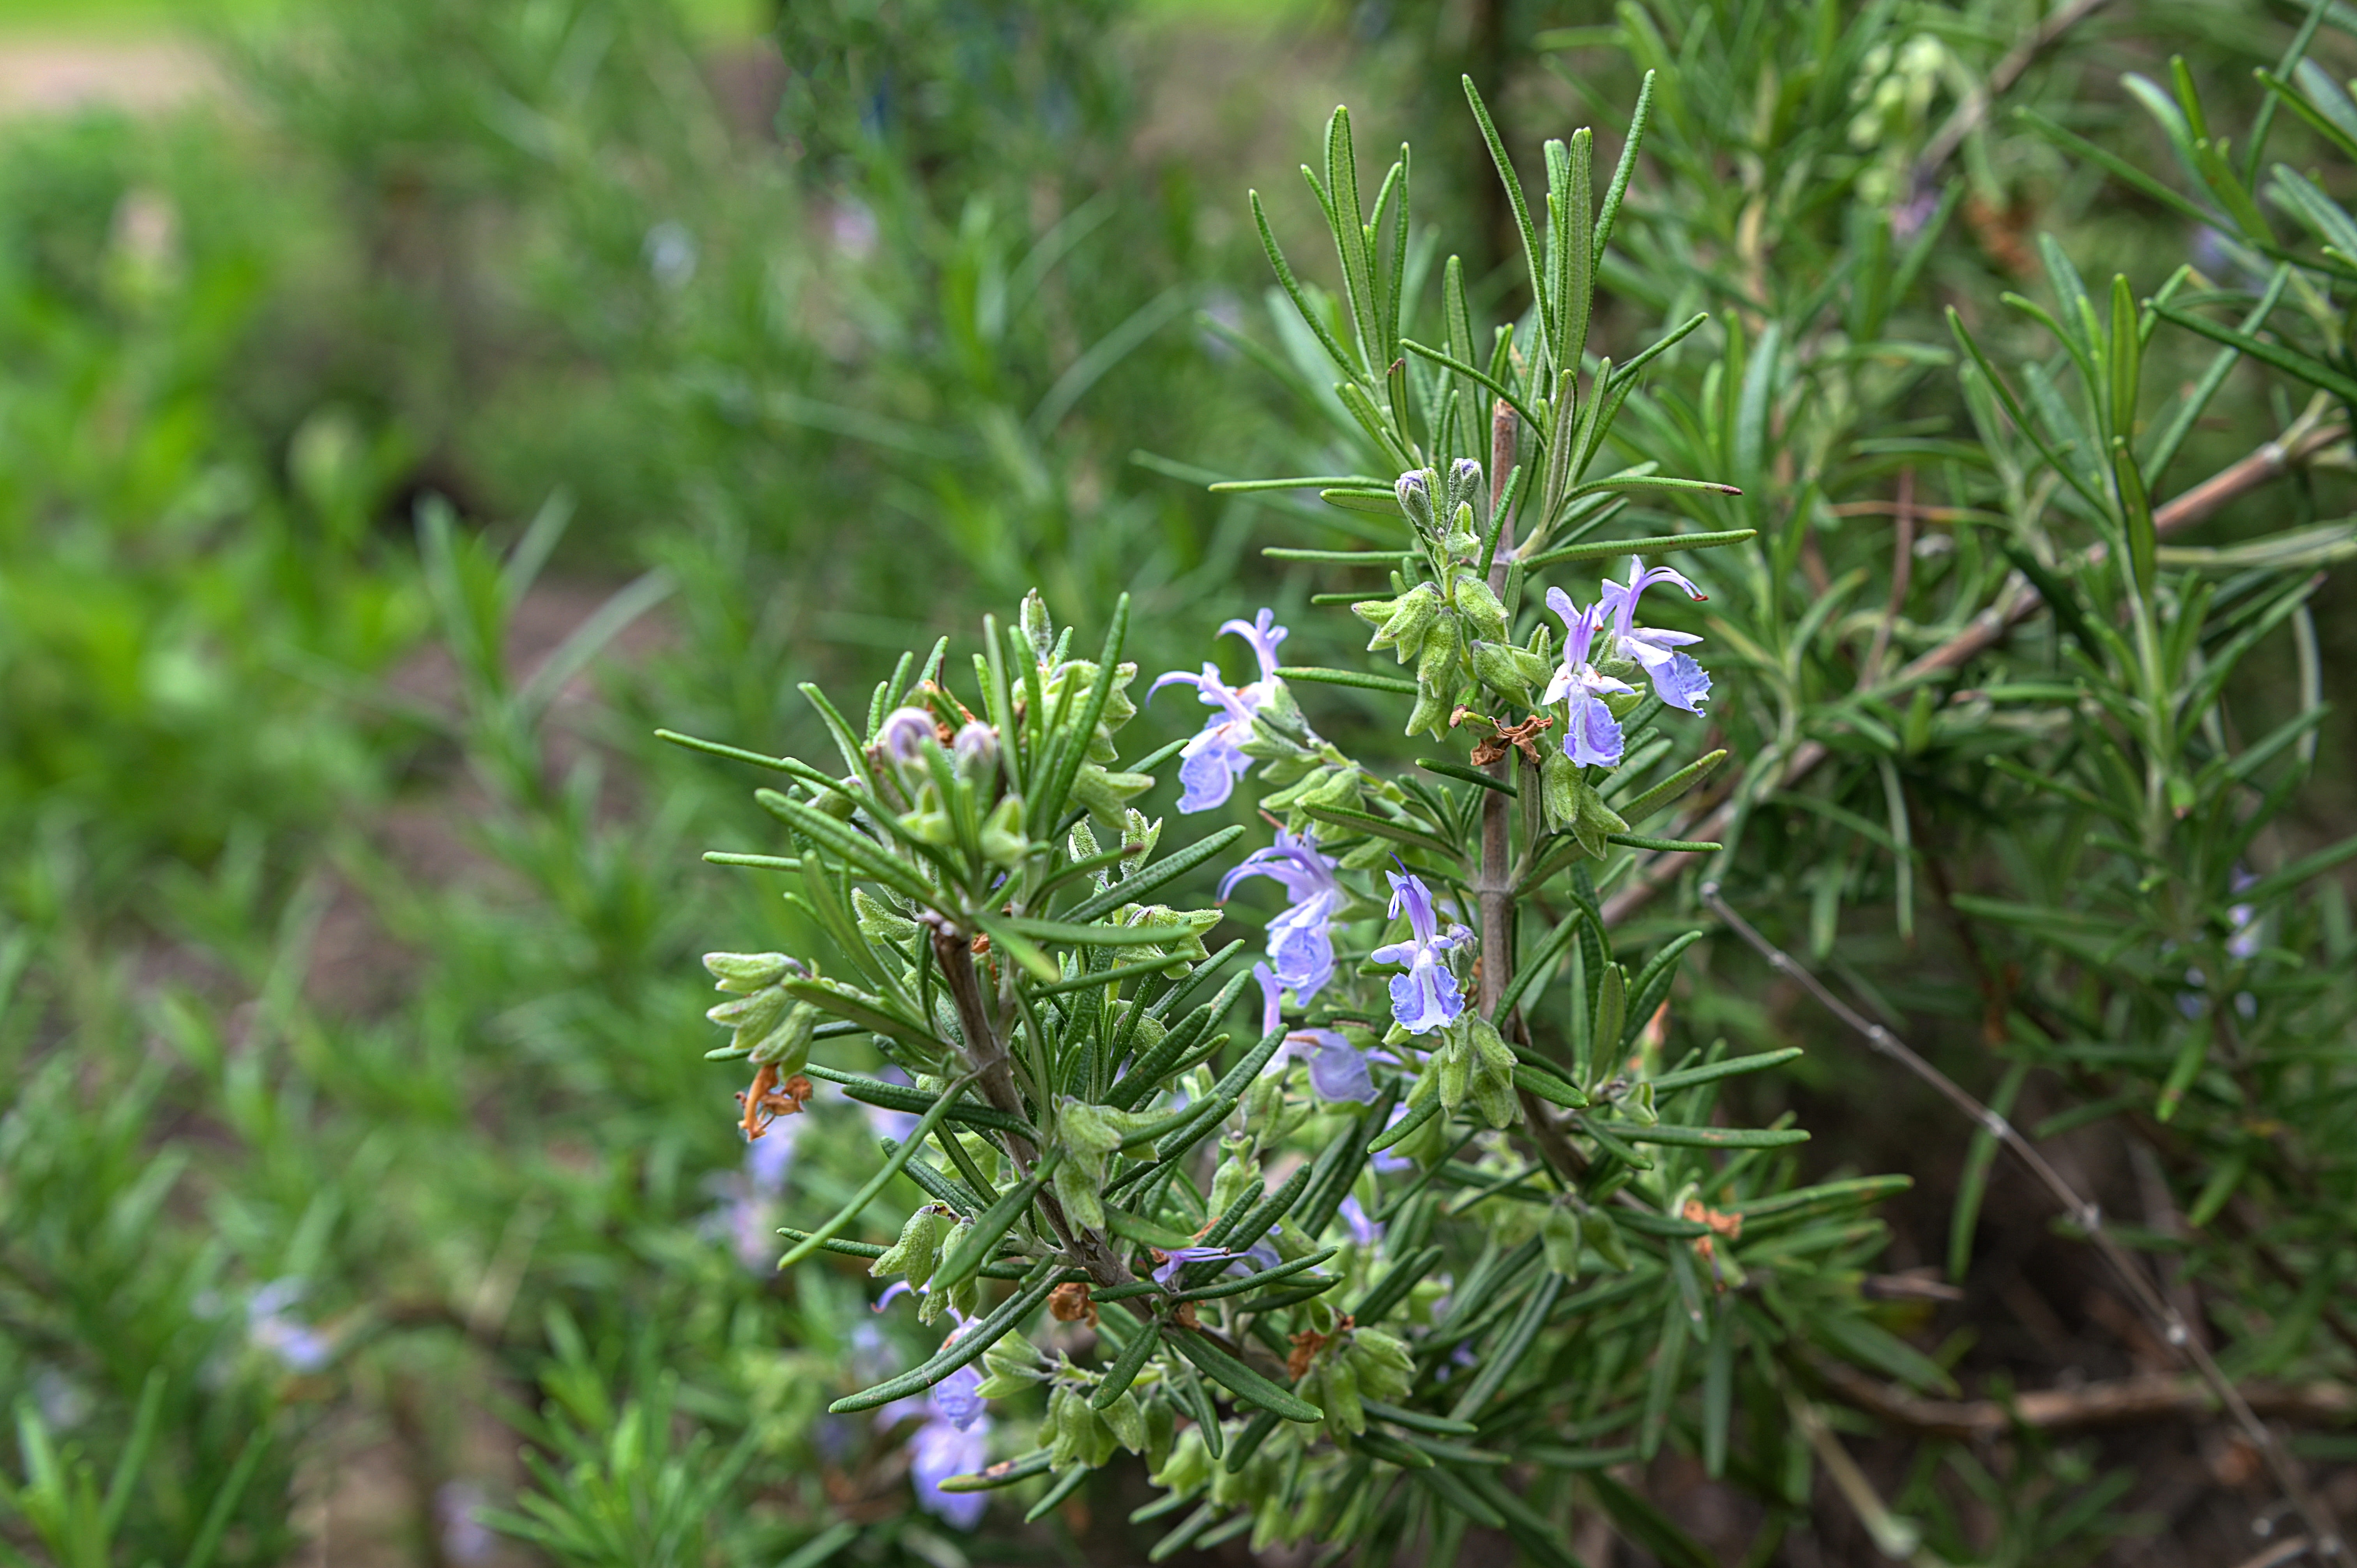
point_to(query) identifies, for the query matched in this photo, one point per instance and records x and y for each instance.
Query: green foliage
(357, 1135)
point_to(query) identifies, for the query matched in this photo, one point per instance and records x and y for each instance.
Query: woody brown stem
(986, 1054)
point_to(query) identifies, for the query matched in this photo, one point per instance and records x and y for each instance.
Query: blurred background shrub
(424, 398)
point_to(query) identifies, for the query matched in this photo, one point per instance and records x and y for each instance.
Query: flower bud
(1559, 789)
(902, 736)
(1464, 485)
(1400, 623)
(1435, 662)
(1385, 1366)
(1483, 613)
(976, 750)
(1559, 1234)
(1002, 842)
(1508, 671)
(1415, 493)
(753, 1015)
(1462, 543)
(918, 1252)
(1076, 1188)
(1038, 625)
(786, 1047)
(1091, 1129)
(1338, 1394)
(1126, 1420)
(1189, 1465)
(745, 973)
(1492, 1073)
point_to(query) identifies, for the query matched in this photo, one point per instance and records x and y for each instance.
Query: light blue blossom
(941, 1449)
(1592, 737)
(1300, 946)
(747, 1215)
(270, 1327)
(1337, 1070)
(1211, 763)
(2244, 941)
(1426, 997)
(1677, 680)
(1364, 1230)
(952, 1440)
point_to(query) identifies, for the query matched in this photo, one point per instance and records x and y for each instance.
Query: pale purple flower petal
(1365, 1231)
(902, 736)
(1214, 759)
(957, 1399)
(1593, 738)
(1300, 942)
(1166, 1273)
(1336, 1069)
(1677, 680)
(1426, 997)
(940, 1450)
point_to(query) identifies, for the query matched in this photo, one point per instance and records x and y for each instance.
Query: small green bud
(1337, 1391)
(1126, 1420)
(1090, 1129)
(1238, 1174)
(1462, 543)
(1386, 1369)
(1491, 1073)
(1038, 626)
(1464, 487)
(1514, 675)
(1161, 1432)
(1400, 624)
(751, 1017)
(1003, 843)
(1483, 613)
(1456, 1064)
(1414, 489)
(1559, 1234)
(1187, 1466)
(1076, 1182)
(1105, 793)
(786, 1047)
(1559, 787)
(1435, 662)
(1603, 1237)
(918, 1252)
(745, 973)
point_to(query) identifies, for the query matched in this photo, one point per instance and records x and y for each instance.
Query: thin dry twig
(2086, 1214)
(2286, 1550)
(2145, 1397)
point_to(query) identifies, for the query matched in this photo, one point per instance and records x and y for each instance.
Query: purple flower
(1592, 737)
(1166, 1273)
(1426, 997)
(1300, 948)
(2244, 942)
(1677, 680)
(1365, 1231)
(940, 1449)
(747, 1215)
(957, 1399)
(1210, 764)
(1336, 1069)
(269, 1328)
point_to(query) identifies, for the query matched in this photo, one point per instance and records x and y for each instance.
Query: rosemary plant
(1457, 1197)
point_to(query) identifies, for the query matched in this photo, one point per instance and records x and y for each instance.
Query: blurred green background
(405, 408)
